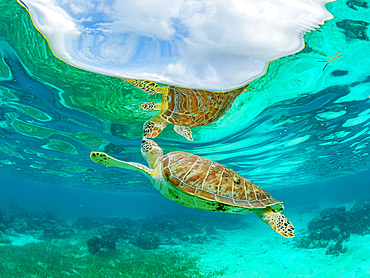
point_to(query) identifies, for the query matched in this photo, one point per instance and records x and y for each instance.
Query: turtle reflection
(183, 107)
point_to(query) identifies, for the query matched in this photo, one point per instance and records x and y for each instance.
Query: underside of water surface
(195, 44)
(301, 122)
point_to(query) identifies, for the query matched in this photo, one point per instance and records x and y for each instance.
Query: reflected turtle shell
(191, 107)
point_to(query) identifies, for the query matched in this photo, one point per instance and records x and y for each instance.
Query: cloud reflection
(198, 44)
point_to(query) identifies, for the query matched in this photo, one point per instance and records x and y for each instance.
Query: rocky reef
(334, 226)
(98, 245)
(103, 234)
(39, 225)
(149, 234)
(33, 243)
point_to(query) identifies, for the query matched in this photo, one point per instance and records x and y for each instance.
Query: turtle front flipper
(104, 159)
(154, 126)
(150, 87)
(150, 106)
(184, 131)
(276, 220)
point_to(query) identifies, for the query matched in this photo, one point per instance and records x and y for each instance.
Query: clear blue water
(302, 133)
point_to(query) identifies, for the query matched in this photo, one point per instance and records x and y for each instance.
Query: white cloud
(212, 44)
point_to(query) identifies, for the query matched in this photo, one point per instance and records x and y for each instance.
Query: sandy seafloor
(254, 252)
(281, 259)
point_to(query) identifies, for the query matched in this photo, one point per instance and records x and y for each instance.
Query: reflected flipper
(184, 131)
(150, 87)
(150, 106)
(154, 126)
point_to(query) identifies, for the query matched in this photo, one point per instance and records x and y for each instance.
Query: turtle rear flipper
(276, 220)
(104, 159)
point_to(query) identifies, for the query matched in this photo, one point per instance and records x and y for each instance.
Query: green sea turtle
(200, 183)
(183, 107)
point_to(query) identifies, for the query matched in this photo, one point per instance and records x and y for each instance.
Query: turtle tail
(277, 221)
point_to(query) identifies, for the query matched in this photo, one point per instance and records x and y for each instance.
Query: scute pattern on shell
(212, 181)
(192, 107)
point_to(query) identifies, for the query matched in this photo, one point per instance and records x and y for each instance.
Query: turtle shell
(210, 180)
(192, 107)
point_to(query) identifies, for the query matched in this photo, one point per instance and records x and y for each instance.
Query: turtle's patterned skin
(184, 107)
(200, 183)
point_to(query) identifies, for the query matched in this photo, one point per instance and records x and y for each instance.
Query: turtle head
(151, 152)
(154, 126)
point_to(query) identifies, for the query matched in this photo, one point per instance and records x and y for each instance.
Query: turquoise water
(301, 132)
